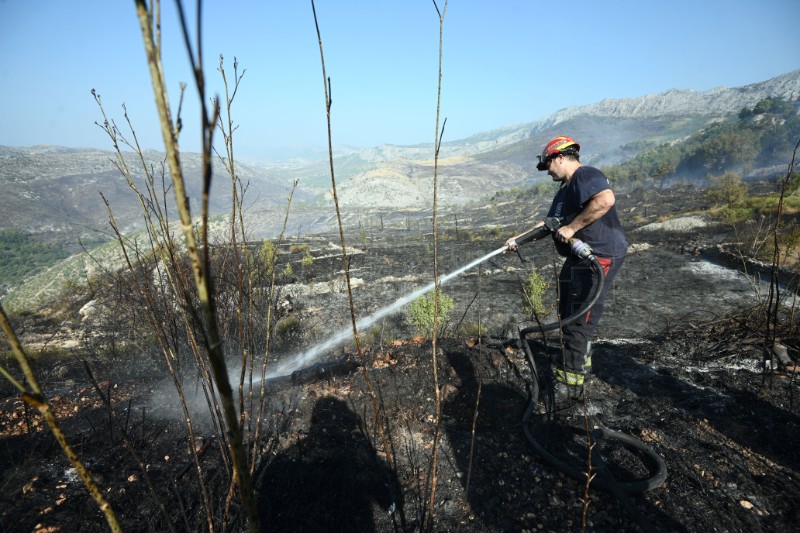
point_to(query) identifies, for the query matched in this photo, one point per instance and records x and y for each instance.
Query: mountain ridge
(381, 177)
(606, 130)
(717, 100)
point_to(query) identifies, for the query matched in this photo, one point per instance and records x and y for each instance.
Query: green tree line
(761, 136)
(22, 254)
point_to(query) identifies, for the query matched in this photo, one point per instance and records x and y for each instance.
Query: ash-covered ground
(678, 365)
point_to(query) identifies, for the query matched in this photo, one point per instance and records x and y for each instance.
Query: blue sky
(504, 62)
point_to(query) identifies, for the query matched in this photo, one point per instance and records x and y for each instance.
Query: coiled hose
(605, 480)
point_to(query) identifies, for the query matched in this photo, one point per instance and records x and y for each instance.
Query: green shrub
(545, 189)
(769, 204)
(24, 254)
(535, 289)
(421, 312)
(790, 237)
(727, 190)
(268, 256)
(288, 333)
(299, 248)
(793, 185)
(788, 243)
(734, 215)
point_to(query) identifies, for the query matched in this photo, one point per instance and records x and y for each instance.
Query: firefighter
(586, 205)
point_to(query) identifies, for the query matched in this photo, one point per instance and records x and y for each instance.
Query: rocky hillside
(611, 131)
(681, 106)
(718, 101)
(57, 190)
(53, 189)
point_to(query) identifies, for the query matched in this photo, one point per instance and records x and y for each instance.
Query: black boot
(564, 394)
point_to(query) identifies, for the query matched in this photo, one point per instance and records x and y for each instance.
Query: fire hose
(605, 479)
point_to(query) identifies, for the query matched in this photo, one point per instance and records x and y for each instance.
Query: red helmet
(559, 145)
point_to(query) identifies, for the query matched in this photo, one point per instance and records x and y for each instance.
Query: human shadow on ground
(330, 480)
(500, 409)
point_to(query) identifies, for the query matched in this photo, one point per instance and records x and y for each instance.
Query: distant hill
(55, 190)
(52, 194)
(610, 132)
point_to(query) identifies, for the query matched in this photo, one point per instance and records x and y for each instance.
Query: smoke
(167, 405)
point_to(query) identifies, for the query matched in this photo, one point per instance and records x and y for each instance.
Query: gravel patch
(676, 224)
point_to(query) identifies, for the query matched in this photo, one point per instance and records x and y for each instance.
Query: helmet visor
(543, 163)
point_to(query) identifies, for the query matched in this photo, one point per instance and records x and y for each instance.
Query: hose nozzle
(551, 225)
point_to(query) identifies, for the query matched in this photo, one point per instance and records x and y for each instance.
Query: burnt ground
(678, 364)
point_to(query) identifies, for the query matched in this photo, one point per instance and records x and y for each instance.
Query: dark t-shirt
(605, 234)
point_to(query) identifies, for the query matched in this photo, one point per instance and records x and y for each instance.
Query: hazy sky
(504, 62)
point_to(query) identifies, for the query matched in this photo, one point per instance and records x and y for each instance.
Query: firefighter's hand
(564, 234)
(511, 245)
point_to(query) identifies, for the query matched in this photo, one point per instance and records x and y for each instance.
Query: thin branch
(362, 358)
(435, 362)
(200, 265)
(35, 398)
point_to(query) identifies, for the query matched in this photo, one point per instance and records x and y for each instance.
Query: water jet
(308, 357)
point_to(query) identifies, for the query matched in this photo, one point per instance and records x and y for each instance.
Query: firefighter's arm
(595, 208)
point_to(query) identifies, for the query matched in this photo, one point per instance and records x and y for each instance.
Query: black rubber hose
(616, 488)
(630, 487)
(638, 486)
(523, 333)
(534, 235)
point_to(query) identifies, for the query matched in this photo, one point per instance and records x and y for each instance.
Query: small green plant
(372, 337)
(421, 311)
(308, 259)
(299, 248)
(268, 256)
(264, 260)
(535, 289)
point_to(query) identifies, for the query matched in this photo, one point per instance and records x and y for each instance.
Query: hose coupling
(581, 249)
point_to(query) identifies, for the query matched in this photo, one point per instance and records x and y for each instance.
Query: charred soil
(679, 365)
